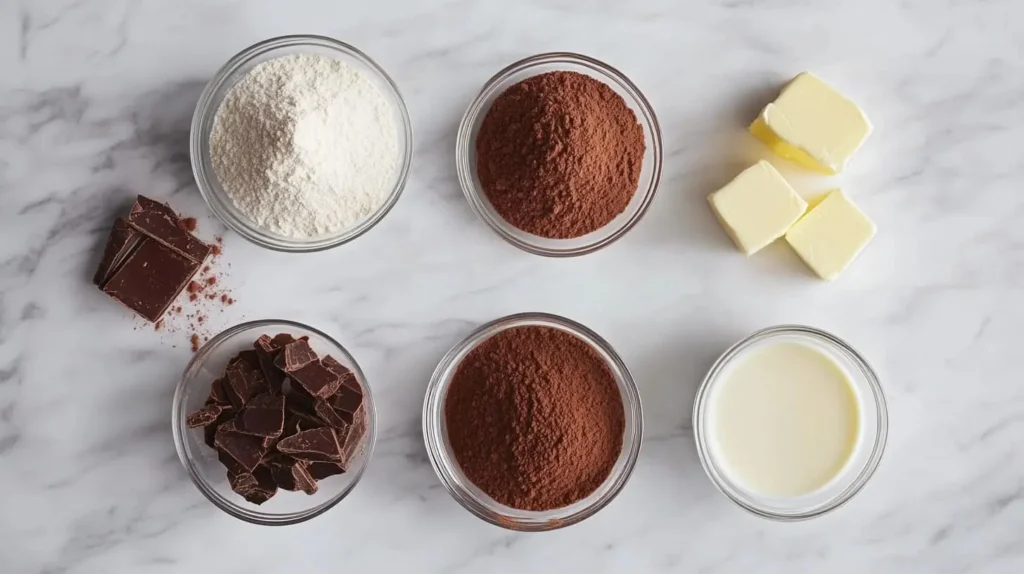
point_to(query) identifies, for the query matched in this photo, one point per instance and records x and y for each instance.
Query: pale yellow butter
(812, 124)
(757, 207)
(831, 235)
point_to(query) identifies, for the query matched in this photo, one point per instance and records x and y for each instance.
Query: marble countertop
(95, 102)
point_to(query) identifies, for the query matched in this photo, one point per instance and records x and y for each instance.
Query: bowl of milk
(790, 422)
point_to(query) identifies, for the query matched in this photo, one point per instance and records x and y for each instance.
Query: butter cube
(831, 235)
(757, 207)
(812, 124)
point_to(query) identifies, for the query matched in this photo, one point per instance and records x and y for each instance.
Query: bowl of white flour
(301, 143)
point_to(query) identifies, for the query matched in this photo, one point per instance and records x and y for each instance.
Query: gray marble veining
(95, 103)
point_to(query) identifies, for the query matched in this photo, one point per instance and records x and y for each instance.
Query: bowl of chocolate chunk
(274, 422)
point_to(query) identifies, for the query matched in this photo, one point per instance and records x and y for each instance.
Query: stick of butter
(757, 207)
(831, 235)
(812, 124)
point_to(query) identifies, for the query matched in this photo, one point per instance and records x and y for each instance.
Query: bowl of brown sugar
(560, 154)
(533, 422)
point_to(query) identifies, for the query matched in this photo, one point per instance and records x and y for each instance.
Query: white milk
(783, 419)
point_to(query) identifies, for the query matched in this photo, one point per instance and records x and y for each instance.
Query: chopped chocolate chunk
(292, 474)
(246, 449)
(122, 239)
(207, 415)
(317, 380)
(347, 400)
(209, 435)
(149, 279)
(315, 444)
(248, 356)
(330, 416)
(290, 435)
(263, 416)
(320, 470)
(230, 464)
(266, 352)
(281, 339)
(343, 372)
(244, 383)
(159, 222)
(354, 442)
(295, 355)
(257, 487)
(218, 394)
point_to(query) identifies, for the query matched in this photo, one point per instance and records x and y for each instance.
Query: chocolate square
(262, 416)
(150, 278)
(121, 241)
(353, 446)
(317, 380)
(159, 222)
(218, 394)
(257, 487)
(248, 357)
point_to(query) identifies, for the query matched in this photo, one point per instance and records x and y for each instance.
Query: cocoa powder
(535, 418)
(559, 154)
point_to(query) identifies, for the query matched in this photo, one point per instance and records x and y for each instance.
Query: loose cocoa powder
(535, 418)
(559, 155)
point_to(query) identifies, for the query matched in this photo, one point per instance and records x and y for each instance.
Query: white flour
(305, 145)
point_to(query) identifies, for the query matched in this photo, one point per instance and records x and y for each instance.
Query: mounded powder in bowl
(305, 146)
(535, 418)
(559, 155)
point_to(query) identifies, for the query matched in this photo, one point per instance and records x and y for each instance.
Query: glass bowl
(874, 427)
(650, 175)
(233, 71)
(435, 432)
(210, 476)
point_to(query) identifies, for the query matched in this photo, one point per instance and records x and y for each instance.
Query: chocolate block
(230, 464)
(343, 372)
(209, 435)
(294, 356)
(262, 416)
(246, 449)
(317, 380)
(316, 444)
(150, 278)
(243, 383)
(160, 223)
(121, 241)
(321, 470)
(207, 415)
(292, 474)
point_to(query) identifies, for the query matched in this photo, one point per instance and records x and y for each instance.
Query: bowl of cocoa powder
(560, 154)
(533, 422)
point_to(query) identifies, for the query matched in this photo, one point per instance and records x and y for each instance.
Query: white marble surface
(95, 99)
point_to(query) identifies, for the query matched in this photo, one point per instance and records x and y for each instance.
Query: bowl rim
(466, 172)
(862, 474)
(433, 415)
(205, 111)
(178, 430)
